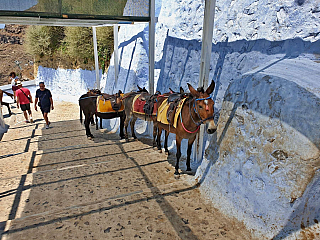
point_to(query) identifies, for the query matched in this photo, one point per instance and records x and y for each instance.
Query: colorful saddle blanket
(163, 112)
(140, 103)
(108, 106)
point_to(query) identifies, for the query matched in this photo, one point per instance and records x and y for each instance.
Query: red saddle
(139, 104)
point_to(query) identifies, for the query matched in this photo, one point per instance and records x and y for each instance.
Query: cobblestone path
(57, 184)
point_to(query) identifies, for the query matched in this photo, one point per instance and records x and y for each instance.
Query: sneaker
(27, 121)
(47, 126)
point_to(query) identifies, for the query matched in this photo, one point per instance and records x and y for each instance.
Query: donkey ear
(210, 88)
(193, 91)
(140, 89)
(171, 91)
(181, 90)
(120, 91)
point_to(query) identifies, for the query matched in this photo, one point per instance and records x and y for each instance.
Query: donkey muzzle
(212, 127)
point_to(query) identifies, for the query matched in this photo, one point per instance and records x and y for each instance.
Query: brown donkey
(196, 110)
(132, 116)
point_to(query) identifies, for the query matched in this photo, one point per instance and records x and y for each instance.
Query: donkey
(132, 117)
(4, 103)
(89, 108)
(92, 93)
(196, 110)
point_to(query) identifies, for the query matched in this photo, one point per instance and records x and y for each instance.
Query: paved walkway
(57, 184)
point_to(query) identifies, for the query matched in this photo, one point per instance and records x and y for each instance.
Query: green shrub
(43, 40)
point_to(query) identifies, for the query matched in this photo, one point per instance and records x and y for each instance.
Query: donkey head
(94, 92)
(204, 105)
(142, 89)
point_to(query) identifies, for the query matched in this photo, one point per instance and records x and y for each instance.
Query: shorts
(45, 109)
(25, 107)
(15, 88)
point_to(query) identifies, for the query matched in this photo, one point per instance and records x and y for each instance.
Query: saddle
(146, 104)
(107, 103)
(173, 102)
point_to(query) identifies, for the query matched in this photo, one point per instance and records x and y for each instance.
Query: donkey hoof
(160, 150)
(127, 139)
(167, 153)
(189, 170)
(177, 172)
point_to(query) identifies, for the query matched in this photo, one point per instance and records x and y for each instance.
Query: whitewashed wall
(262, 165)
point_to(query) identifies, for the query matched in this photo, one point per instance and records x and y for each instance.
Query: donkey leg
(96, 122)
(86, 124)
(178, 155)
(133, 121)
(155, 133)
(100, 119)
(126, 123)
(190, 143)
(166, 142)
(8, 106)
(159, 139)
(122, 118)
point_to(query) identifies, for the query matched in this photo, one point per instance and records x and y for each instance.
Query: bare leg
(45, 116)
(25, 115)
(30, 115)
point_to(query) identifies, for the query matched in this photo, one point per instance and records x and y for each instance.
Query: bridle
(195, 110)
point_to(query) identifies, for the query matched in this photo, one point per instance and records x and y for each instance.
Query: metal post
(206, 48)
(151, 55)
(96, 60)
(115, 53)
(151, 46)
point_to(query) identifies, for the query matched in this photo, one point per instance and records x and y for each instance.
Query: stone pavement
(57, 184)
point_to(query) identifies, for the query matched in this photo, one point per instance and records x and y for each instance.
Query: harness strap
(185, 127)
(89, 97)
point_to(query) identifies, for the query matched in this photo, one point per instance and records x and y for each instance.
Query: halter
(195, 110)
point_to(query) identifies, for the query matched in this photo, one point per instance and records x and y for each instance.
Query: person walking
(13, 80)
(44, 97)
(24, 99)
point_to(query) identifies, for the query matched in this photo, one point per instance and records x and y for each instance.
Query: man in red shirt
(24, 99)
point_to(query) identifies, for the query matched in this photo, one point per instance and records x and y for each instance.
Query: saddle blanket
(104, 106)
(162, 112)
(139, 104)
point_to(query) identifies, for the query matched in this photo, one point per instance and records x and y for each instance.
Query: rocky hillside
(13, 56)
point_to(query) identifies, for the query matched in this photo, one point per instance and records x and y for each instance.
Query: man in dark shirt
(44, 97)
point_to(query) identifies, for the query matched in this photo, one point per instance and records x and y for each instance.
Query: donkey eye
(200, 107)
